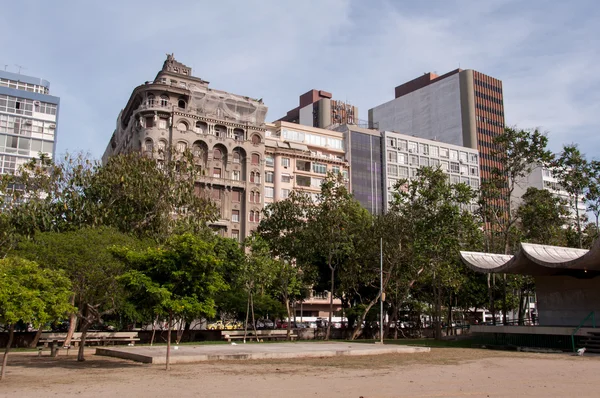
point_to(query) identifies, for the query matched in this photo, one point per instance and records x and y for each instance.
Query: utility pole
(381, 294)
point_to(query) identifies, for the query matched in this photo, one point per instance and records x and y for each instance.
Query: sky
(94, 53)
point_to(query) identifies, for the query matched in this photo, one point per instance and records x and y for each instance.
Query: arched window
(236, 157)
(257, 197)
(201, 127)
(252, 197)
(162, 146)
(182, 126)
(256, 139)
(217, 154)
(220, 131)
(164, 100)
(181, 104)
(148, 146)
(181, 146)
(257, 177)
(255, 159)
(150, 100)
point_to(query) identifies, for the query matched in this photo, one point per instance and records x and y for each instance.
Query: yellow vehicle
(218, 325)
(233, 325)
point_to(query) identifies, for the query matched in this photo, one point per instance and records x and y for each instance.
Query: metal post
(381, 290)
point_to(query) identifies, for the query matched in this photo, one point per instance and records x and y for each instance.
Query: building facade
(462, 107)
(299, 157)
(225, 132)
(28, 120)
(318, 109)
(404, 154)
(541, 177)
(366, 157)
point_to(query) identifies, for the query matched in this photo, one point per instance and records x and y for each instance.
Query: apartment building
(541, 177)
(28, 120)
(317, 108)
(299, 157)
(461, 107)
(225, 132)
(404, 154)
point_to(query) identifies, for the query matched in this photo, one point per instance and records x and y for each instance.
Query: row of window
(484, 119)
(34, 88)
(303, 165)
(430, 150)
(453, 179)
(488, 97)
(200, 148)
(27, 127)
(312, 139)
(270, 193)
(9, 164)
(403, 158)
(22, 106)
(489, 86)
(451, 167)
(490, 110)
(24, 145)
(200, 128)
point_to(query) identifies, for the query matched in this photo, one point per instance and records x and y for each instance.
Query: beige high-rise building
(299, 157)
(224, 131)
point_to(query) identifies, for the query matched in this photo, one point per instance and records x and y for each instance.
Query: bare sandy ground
(444, 372)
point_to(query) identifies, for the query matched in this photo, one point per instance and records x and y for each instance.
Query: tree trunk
(168, 361)
(504, 305)
(438, 314)
(84, 329)
(247, 315)
(72, 325)
(153, 330)
(11, 336)
(521, 306)
(253, 320)
(449, 329)
(362, 317)
(330, 301)
(491, 299)
(289, 323)
(38, 334)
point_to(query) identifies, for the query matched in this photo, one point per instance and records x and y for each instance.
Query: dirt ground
(444, 372)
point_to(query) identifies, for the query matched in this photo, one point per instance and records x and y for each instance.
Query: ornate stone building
(225, 132)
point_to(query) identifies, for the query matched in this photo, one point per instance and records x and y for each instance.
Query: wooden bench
(53, 340)
(230, 335)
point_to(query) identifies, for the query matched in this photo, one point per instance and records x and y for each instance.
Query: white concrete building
(28, 120)
(404, 154)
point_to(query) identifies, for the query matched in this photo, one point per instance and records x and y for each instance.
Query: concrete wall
(565, 300)
(432, 112)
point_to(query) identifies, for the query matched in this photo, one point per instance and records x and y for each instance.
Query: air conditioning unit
(52, 126)
(410, 151)
(36, 103)
(461, 161)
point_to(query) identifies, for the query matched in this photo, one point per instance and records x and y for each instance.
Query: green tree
(438, 224)
(542, 216)
(334, 229)
(180, 279)
(30, 294)
(85, 258)
(592, 195)
(572, 170)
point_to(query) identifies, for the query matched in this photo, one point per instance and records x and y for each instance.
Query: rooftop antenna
(20, 67)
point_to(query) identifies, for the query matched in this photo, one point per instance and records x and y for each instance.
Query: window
(235, 175)
(472, 158)
(454, 167)
(444, 153)
(402, 145)
(402, 158)
(286, 178)
(269, 192)
(269, 161)
(162, 146)
(217, 154)
(464, 169)
(162, 123)
(149, 146)
(414, 160)
(335, 170)
(236, 196)
(444, 165)
(302, 165)
(217, 172)
(285, 162)
(220, 131)
(269, 176)
(424, 149)
(403, 172)
(463, 157)
(423, 161)
(181, 147)
(391, 142)
(285, 193)
(320, 168)
(256, 139)
(412, 147)
(181, 104)
(257, 197)
(474, 183)
(392, 170)
(255, 159)
(235, 216)
(302, 181)
(392, 156)
(164, 100)
(235, 234)
(316, 182)
(149, 122)
(434, 151)
(453, 154)
(215, 193)
(434, 162)
(238, 134)
(236, 157)
(252, 197)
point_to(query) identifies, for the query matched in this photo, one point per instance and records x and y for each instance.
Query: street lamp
(381, 293)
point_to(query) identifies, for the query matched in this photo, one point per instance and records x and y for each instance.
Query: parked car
(218, 325)
(267, 324)
(233, 325)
